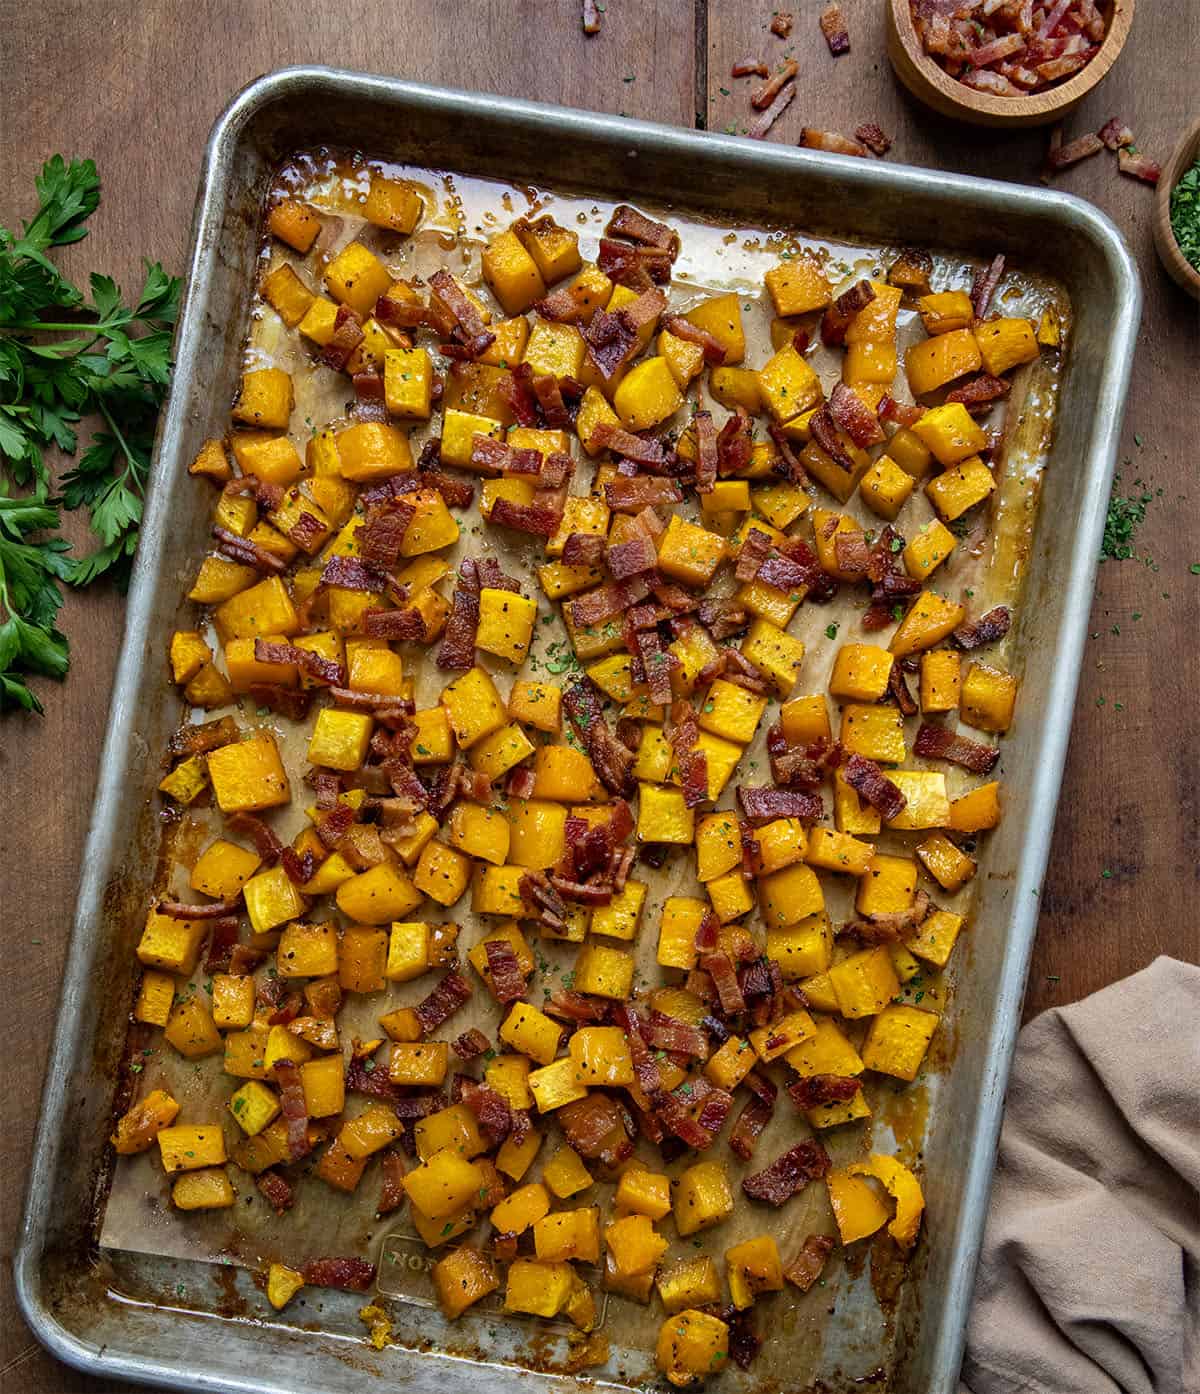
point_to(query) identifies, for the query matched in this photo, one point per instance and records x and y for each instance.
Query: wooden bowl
(936, 88)
(1180, 270)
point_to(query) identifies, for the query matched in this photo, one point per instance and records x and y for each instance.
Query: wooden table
(137, 90)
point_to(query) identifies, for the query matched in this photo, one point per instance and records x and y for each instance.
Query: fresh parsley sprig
(64, 356)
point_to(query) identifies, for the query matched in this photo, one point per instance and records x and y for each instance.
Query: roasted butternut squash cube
(505, 624)
(554, 350)
(935, 938)
(473, 706)
(394, 204)
(751, 1267)
(189, 1146)
(419, 1063)
(340, 738)
(442, 873)
(372, 1130)
(554, 249)
(634, 1244)
(949, 866)
(928, 622)
(805, 719)
(433, 527)
(601, 1055)
(718, 845)
(408, 951)
(647, 395)
(189, 653)
(865, 982)
(798, 286)
(945, 310)
(776, 654)
(721, 316)
(307, 951)
(508, 1075)
(537, 832)
(730, 896)
(897, 1041)
(453, 1129)
(663, 816)
(789, 896)
(928, 549)
(378, 895)
(511, 273)
(479, 832)
(568, 1234)
(803, 949)
(910, 453)
(187, 781)
(620, 917)
(885, 488)
(834, 851)
(857, 1208)
(294, 224)
(703, 1198)
(978, 810)
(950, 432)
(497, 891)
(208, 1189)
(496, 754)
(443, 1184)
(936, 361)
(827, 1052)
(272, 898)
(539, 1289)
(681, 916)
(940, 680)
(356, 277)
(156, 993)
(320, 321)
(212, 462)
(515, 1158)
(408, 382)
(770, 1042)
(248, 775)
(691, 1346)
(840, 481)
(684, 358)
(987, 699)
(138, 1128)
(876, 732)
(688, 1282)
(580, 514)
(604, 971)
(729, 1065)
(960, 487)
(788, 384)
(643, 1192)
(731, 711)
(253, 1106)
(531, 1032)
(926, 803)
(536, 704)
(523, 1208)
(860, 673)
(781, 504)
(461, 1279)
(887, 887)
(265, 400)
(274, 459)
(1005, 343)
(282, 1285)
(324, 1082)
(565, 1174)
(869, 365)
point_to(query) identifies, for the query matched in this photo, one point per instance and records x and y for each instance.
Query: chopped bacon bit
(1074, 151)
(391, 1192)
(631, 495)
(491, 1109)
(266, 844)
(380, 538)
(748, 1127)
(744, 1342)
(789, 1174)
(814, 1090)
(625, 443)
(706, 452)
(351, 1274)
(241, 549)
(836, 320)
(638, 268)
(761, 126)
(719, 967)
(873, 137)
(276, 1190)
(536, 519)
(870, 783)
(307, 533)
(656, 665)
(763, 96)
(984, 285)
(244, 960)
(714, 351)
(596, 606)
(854, 416)
(295, 1110)
(504, 972)
(677, 1119)
(550, 399)
(707, 932)
(804, 1270)
(317, 667)
(366, 1077)
(982, 391)
(749, 67)
(611, 761)
(627, 222)
(407, 624)
(831, 142)
(589, 1124)
(986, 55)
(1115, 133)
(985, 630)
(370, 404)
(347, 335)
(222, 942)
(755, 550)
(781, 23)
(457, 651)
(833, 26)
(887, 928)
(714, 1110)
(723, 618)
(898, 690)
(940, 743)
(825, 432)
(667, 1033)
(521, 783)
(1138, 166)
(214, 910)
(442, 1002)
(543, 901)
(985, 80)
(902, 413)
(764, 803)
(632, 558)
(574, 1006)
(583, 549)
(693, 763)
(469, 328)
(591, 17)
(199, 739)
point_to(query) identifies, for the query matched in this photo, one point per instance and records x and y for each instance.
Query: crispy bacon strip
(825, 432)
(781, 23)
(989, 627)
(391, 1192)
(804, 1270)
(714, 351)
(854, 416)
(441, 1004)
(899, 692)
(831, 142)
(748, 1128)
(833, 26)
(749, 67)
(266, 844)
(836, 320)
(814, 1090)
(706, 452)
(720, 968)
(381, 537)
(536, 519)
(789, 1174)
(407, 624)
(1074, 151)
(980, 391)
(315, 665)
(347, 335)
(985, 283)
(627, 222)
(584, 549)
(241, 549)
(370, 403)
(873, 137)
(457, 651)
(869, 782)
(763, 96)
(591, 17)
(276, 1190)
(574, 1006)
(761, 126)
(504, 971)
(295, 1110)
(491, 1109)
(200, 738)
(940, 743)
(214, 910)
(667, 1033)
(1115, 133)
(632, 558)
(610, 759)
(763, 803)
(596, 606)
(222, 942)
(1138, 166)
(351, 1274)
(887, 928)
(632, 494)
(622, 442)
(469, 328)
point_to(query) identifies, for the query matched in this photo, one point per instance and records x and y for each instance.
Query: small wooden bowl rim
(1178, 267)
(1036, 104)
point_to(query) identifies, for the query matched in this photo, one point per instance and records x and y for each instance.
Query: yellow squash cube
(718, 845)
(949, 866)
(538, 1289)
(340, 738)
(506, 623)
(191, 1030)
(987, 699)
(647, 395)
(536, 704)
(248, 775)
(408, 382)
(356, 277)
(751, 1267)
(945, 310)
(885, 487)
(936, 937)
(684, 358)
(950, 432)
(137, 1129)
(731, 896)
(254, 1106)
(307, 951)
(860, 673)
(1005, 343)
(803, 949)
(663, 816)
(876, 732)
(776, 654)
(604, 972)
(940, 680)
(511, 273)
(721, 316)
(703, 1198)
(978, 810)
(443, 1184)
(897, 1041)
(531, 1032)
(480, 832)
(960, 487)
(857, 1208)
(835, 851)
(554, 249)
(928, 549)
(377, 896)
(620, 917)
(927, 805)
(681, 916)
(788, 384)
(827, 1051)
(798, 286)
(420, 1064)
(568, 1234)
(462, 1278)
(265, 400)
(805, 720)
(442, 873)
(865, 982)
(935, 362)
(928, 622)
(394, 204)
(789, 896)
(294, 224)
(203, 1190)
(272, 898)
(732, 711)
(554, 350)
(408, 953)
(187, 1147)
(473, 706)
(887, 887)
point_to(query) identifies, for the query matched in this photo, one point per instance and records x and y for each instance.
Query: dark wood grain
(138, 88)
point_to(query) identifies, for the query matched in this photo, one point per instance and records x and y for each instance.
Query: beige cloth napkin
(1089, 1280)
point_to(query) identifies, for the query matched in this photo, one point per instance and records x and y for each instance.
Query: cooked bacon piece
(763, 803)
(266, 844)
(594, 607)
(457, 651)
(295, 1110)
(870, 783)
(243, 960)
(550, 399)
(631, 495)
(1115, 133)
(214, 910)
(720, 968)
(317, 667)
(822, 1089)
(833, 26)
(714, 1110)
(222, 941)
(589, 1124)
(591, 17)
(836, 320)
(825, 432)
(683, 734)
(292, 702)
(723, 618)
(407, 624)
(804, 1270)
(391, 1192)
(504, 972)
(667, 1033)
(801, 767)
(307, 533)
(574, 1006)
(637, 268)
(831, 142)
(610, 342)
(873, 137)
(714, 350)
(489, 1107)
(763, 96)
(748, 1128)
(749, 67)
(370, 403)
(632, 558)
(441, 1004)
(985, 630)
(627, 222)
(538, 520)
(980, 391)
(984, 285)
(902, 413)
(940, 743)
(367, 1077)
(200, 738)
(761, 126)
(276, 1190)
(583, 549)
(899, 692)
(241, 549)
(987, 55)
(887, 928)
(543, 901)
(744, 1341)
(469, 327)
(1138, 166)
(332, 826)
(351, 1274)
(707, 933)
(1074, 151)
(656, 665)
(675, 1116)
(347, 335)
(789, 1174)
(781, 23)
(706, 452)
(622, 442)
(853, 415)
(379, 539)
(611, 761)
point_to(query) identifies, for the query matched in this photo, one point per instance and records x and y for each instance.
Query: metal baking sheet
(139, 1305)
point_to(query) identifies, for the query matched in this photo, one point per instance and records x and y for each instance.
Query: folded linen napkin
(1089, 1279)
